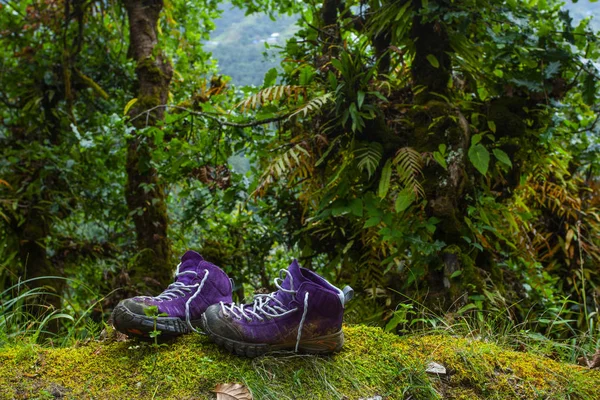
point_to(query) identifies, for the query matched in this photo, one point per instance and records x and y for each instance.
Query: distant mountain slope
(238, 43)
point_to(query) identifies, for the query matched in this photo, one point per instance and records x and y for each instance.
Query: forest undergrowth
(441, 157)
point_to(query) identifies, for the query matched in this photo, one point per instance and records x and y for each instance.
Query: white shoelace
(179, 289)
(268, 306)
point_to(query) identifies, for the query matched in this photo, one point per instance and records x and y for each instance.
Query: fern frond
(409, 165)
(396, 15)
(269, 94)
(313, 105)
(369, 157)
(371, 271)
(295, 163)
(558, 199)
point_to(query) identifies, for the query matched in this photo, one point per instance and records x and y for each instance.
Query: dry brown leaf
(592, 363)
(232, 391)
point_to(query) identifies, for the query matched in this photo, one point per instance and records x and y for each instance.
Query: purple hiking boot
(305, 314)
(198, 284)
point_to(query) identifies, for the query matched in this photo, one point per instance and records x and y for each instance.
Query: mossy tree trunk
(329, 31)
(41, 187)
(145, 193)
(445, 189)
(32, 233)
(431, 39)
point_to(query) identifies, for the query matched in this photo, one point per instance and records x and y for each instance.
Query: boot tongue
(295, 277)
(194, 262)
(191, 255)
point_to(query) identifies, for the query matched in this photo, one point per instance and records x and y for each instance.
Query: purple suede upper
(216, 288)
(323, 317)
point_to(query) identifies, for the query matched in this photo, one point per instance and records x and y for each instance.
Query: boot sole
(135, 325)
(319, 345)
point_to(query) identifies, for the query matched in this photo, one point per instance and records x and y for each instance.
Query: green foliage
(460, 165)
(440, 150)
(480, 157)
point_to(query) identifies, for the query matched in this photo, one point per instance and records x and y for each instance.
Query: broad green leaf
(384, 182)
(372, 222)
(404, 200)
(159, 135)
(433, 61)
(502, 157)
(270, 78)
(480, 157)
(437, 156)
(339, 210)
(333, 82)
(356, 207)
(337, 64)
(483, 93)
(360, 99)
(455, 274)
(492, 126)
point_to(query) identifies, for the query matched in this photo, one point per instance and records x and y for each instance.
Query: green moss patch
(371, 363)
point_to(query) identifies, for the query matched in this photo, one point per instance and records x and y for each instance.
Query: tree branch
(92, 84)
(214, 118)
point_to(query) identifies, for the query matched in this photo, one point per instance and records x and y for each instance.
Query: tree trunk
(445, 188)
(32, 235)
(329, 29)
(33, 224)
(144, 192)
(431, 40)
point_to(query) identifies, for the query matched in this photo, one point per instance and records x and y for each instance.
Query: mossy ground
(371, 363)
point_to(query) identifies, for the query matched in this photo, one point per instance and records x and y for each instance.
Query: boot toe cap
(133, 306)
(215, 323)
